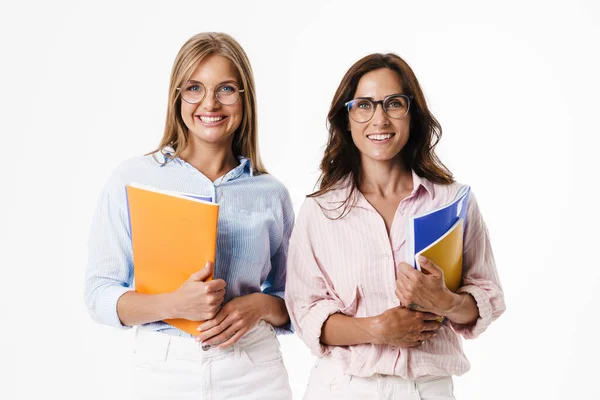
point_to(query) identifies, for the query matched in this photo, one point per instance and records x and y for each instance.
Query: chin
(382, 156)
(212, 137)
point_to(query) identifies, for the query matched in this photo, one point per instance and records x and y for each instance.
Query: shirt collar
(341, 191)
(165, 154)
(420, 182)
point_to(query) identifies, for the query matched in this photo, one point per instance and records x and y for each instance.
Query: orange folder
(173, 235)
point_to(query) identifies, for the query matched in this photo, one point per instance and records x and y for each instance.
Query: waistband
(186, 345)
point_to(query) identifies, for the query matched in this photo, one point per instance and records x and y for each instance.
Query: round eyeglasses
(193, 92)
(395, 106)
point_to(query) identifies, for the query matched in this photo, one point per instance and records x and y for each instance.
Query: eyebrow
(373, 99)
(220, 83)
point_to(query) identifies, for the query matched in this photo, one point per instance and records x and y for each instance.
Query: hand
(423, 290)
(401, 327)
(232, 322)
(197, 300)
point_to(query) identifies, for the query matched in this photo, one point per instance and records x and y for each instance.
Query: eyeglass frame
(409, 97)
(206, 91)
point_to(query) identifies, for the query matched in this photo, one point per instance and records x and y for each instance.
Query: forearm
(136, 308)
(341, 330)
(461, 308)
(275, 312)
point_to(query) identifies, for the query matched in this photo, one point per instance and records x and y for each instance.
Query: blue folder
(424, 229)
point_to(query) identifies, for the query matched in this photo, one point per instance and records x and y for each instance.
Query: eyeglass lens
(362, 110)
(194, 92)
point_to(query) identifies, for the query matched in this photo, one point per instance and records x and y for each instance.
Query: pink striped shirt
(348, 266)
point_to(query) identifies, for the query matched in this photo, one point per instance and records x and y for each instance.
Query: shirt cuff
(473, 330)
(107, 311)
(312, 326)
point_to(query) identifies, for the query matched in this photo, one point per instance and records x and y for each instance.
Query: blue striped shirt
(255, 222)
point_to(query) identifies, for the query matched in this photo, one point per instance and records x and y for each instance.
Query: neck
(213, 160)
(385, 178)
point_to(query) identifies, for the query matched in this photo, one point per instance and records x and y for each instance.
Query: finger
(429, 267)
(425, 316)
(215, 285)
(415, 307)
(237, 336)
(431, 326)
(221, 337)
(401, 281)
(427, 335)
(400, 296)
(211, 323)
(213, 332)
(203, 273)
(216, 298)
(404, 269)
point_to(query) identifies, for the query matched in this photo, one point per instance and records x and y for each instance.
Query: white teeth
(380, 137)
(210, 120)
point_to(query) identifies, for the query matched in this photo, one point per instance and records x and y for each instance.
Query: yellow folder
(446, 253)
(173, 235)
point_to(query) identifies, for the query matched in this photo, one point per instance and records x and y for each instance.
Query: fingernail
(422, 259)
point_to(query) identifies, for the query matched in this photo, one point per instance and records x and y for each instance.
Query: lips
(380, 136)
(210, 119)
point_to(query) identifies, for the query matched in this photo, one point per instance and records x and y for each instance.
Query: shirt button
(401, 212)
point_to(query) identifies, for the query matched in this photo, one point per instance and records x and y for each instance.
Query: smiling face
(209, 121)
(382, 137)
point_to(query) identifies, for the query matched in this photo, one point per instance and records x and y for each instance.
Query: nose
(380, 118)
(210, 101)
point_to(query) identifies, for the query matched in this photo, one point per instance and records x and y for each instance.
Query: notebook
(173, 235)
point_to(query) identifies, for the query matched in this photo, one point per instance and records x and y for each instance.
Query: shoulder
(313, 210)
(271, 187)
(444, 191)
(130, 170)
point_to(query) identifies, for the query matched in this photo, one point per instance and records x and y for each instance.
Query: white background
(515, 86)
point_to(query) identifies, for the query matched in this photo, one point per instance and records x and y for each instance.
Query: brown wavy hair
(342, 157)
(196, 49)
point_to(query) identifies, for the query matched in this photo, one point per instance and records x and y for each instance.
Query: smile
(380, 136)
(210, 120)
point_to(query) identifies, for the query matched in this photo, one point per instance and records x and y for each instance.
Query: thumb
(203, 273)
(429, 266)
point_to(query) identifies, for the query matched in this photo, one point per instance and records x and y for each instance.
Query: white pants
(171, 367)
(329, 382)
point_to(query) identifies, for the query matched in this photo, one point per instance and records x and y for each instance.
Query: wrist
(271, 309)
(263, 305)
(449, 304)
(170, 306)
(372, 328)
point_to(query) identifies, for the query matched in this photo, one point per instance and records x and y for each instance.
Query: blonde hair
(196, 49)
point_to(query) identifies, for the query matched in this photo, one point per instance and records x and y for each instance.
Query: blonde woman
(209, 147)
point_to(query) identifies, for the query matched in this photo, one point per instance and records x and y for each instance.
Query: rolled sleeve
(488, 312)
(480, 277)
(104, 308)
(312, 322)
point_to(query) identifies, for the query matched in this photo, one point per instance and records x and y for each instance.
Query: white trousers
(329, 382)
(171, 367)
